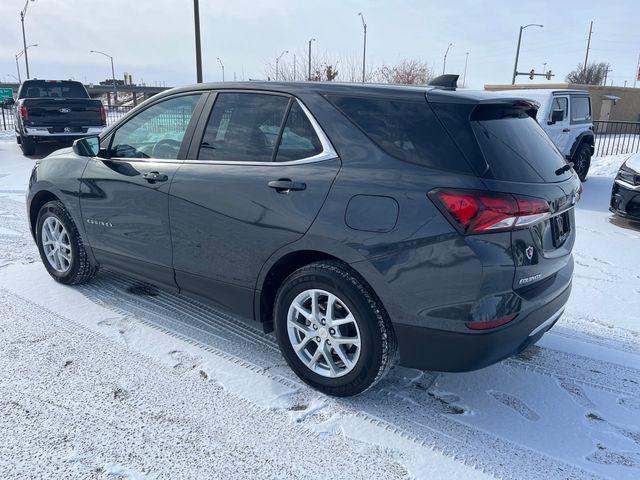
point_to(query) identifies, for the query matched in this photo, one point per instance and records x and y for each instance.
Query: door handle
(285, 185)
(153, 177)
(565, 130)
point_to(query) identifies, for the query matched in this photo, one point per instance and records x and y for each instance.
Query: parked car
(625, 194)
(57, 110)
(359, 222)
(566, 117)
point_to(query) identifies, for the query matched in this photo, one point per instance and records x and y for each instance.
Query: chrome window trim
(328, 152)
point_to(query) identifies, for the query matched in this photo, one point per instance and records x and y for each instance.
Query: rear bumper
(449, 351)
(625, 200)
(44, 133)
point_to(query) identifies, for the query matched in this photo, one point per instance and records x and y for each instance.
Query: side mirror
(9, 102)
(87, 146)
(556, 116)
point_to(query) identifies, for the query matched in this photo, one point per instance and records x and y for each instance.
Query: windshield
(516, 148)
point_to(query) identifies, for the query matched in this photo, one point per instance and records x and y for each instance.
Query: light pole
(544, 67)
(18, 55)
(222, 65)
(196, 21)
(113, 73)
(23, 12)
(309, 76)
(364, 45)
(464, 75)
(515, 66)
(444, 63)
(278, 61)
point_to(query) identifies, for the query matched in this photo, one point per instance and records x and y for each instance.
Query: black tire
(80, 269)
(28, 145)
(18, 140)
(582, 160)
(378, 342)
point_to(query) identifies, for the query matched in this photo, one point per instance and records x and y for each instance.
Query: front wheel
(332, 330)
(582, 161)
(60, 246)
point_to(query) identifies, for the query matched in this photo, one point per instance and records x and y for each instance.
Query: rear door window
(515, 147)
(580, 109)
(405, 129)
(560, 103)
(243, 127)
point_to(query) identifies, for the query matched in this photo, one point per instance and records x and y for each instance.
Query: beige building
(607, 103)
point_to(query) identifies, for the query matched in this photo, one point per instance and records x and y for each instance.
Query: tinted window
(299, 139)
(407, 130)
(515, 147)
(157, 131)
(243, 127)
(580, 109)
(560, 103)
(50, 89)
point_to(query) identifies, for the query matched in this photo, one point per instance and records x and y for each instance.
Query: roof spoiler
(448, 81)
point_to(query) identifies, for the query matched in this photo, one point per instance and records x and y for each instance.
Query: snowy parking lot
(116, 379)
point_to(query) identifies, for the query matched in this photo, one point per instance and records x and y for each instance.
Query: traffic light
(549, 75)
(532, 74)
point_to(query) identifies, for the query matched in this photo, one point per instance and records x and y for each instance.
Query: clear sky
(153, 39)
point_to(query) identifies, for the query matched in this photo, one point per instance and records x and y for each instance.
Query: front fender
(586, 136)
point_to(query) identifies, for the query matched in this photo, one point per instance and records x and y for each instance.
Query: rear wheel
(332, 330)
(28, 145)
(582, 160)
(60, 246)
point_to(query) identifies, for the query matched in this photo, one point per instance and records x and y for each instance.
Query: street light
(113, 73)
(23, 12)
(222, 65)
(309, 76)
(464, 75)
(515, 66)
(278, 61)
(364, 46)
(444, 63)
(18, 55)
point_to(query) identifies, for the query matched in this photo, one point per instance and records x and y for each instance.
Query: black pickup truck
(55, 110)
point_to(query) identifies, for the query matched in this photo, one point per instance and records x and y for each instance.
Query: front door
(560, 131)
(124, 196)
(259, 172)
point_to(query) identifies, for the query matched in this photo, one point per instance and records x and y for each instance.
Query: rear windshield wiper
(565, 168)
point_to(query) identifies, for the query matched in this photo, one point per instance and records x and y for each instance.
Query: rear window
(49, 89)
(515, 147)
(404, 129)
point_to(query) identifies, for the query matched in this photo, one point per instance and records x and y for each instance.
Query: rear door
(258, 171)
(124, 198)
(560, 132)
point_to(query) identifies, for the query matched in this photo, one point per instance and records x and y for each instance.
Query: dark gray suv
(362, 223)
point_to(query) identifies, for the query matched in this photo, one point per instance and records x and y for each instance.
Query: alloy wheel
(56, 244)
(324, 333)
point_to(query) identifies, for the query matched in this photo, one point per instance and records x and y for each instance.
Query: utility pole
(309, 76)
(222, 65)
(294, 67)
(278, 61)
(464, 75)
(586, 55)
(23, 12)
(364, 47)
(606, 73)
(196, 21)
(515, 66)
(637, 72)
(444, 63)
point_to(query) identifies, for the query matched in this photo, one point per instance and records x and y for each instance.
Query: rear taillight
(103, 114)
(24, 113)
(482, 212)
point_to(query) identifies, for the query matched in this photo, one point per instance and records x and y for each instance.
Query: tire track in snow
(400, 405)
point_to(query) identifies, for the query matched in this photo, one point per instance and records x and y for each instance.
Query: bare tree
(594, 74)
(324, 67)
(407, 72)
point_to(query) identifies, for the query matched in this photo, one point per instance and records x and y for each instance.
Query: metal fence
(7, 121)
(614, 138)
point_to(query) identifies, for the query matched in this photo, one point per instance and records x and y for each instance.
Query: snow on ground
(114, 379)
